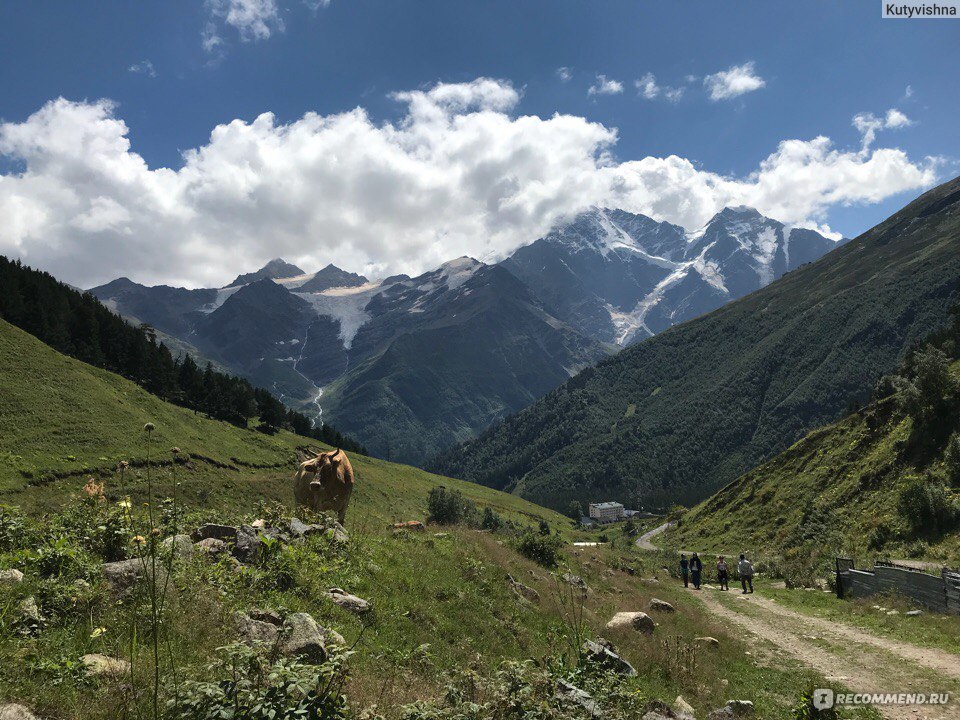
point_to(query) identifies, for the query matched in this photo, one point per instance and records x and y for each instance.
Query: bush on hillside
(449, 507)
(928, 507)
(575, 510)
(929, 391)
(491, 520)
(951, 459)
(542, 549)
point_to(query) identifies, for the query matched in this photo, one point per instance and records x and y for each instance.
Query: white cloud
(564, 73)
(144, 67)
(733, 82)
(605, 86)
(869, 124)
(460, 173)
(647, 86)
(253, 19)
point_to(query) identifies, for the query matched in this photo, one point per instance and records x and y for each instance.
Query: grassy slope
(856, 471)
(441, 602)
(677, 416)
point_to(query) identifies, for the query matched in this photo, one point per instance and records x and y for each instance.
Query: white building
(606, 512)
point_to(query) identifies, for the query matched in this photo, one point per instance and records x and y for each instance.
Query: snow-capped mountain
(620, 277)
(410, 366)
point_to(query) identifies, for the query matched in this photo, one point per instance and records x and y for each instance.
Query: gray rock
(124, 574)
(246, 547)
(213, 547)
(659, 710)
(639, 621)
(11, 577)
(524, 591)
(661, 605)
(574, 580)
(298, 528)
(213, 530)
(180, 545)
(683, 709)
(253, 630)
(707, 640)
(913, 613)
(14, 711)
(104, 666)
(571, 693)
(29, 619)
(306, 638)
(733, 709)
(347, 601)
(602, 653)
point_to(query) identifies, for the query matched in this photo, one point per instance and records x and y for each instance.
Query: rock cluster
(298, 635)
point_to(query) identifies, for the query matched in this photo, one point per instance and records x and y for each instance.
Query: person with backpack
(685, 570)
(723, 573)
(696, 569)
(745, 568)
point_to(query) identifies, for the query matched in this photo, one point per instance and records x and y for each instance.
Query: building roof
(606, 505)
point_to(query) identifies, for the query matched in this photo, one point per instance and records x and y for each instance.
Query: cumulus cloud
(144, 67)
(460, 173)
(605, 86)
(253, 19)
(564, 73)
(733, 82)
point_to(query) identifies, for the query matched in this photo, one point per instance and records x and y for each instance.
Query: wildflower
(93, 490)
(155, 532)
(138, 540)
(97, 632)
(124, 465)
(149, 427)
(125, 503)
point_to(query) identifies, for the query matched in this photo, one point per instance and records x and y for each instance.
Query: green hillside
(839, 491)
(677, 416)
(445, 618)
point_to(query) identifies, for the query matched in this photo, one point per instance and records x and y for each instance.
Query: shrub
(879, 537)
(544, 527)
(449, 507)
(542, 549)
(805, 709)
(13, 529)
(491, 520)
(951, 459)
(575, 510)
(928, 507)
(248, 686)
(928, 395)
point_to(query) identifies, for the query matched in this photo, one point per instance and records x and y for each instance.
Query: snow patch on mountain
(220, 299)
(346, 305)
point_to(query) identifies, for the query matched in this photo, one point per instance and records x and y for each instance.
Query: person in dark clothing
(745, 568)
(696, 569)
(685, 570)
(723, 573)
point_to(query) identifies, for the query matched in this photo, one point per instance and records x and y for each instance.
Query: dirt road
(643, 542)
(855, 658)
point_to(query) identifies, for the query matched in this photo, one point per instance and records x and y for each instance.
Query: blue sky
(818, 64)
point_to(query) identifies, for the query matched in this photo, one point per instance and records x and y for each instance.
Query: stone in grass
(571, 693)
(124, 574)
(304, 637)
(524, 591)
(11, 577)
(29, 618)
(707, 640)
(683, 709)
(661, 605)
(347, 601)
(214, 530)
(602, 653)
(104, 666)
(913, 613)
(733, 709)
(639, 621)
(15, 711)
(213, 547)
(659, 710)
(180, 545)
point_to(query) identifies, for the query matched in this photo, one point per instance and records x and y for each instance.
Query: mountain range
(413, 366)
(677, 416)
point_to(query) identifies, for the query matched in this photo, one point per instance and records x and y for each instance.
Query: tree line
(77, 324)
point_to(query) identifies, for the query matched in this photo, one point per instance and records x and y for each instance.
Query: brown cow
(325, 483)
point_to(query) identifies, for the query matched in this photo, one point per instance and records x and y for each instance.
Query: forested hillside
(679, 415)
(78, 325)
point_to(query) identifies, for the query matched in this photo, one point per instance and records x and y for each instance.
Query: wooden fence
(940, 593)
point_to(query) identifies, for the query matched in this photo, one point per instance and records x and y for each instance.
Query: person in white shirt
(745, 568)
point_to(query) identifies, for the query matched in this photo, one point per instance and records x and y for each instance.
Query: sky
(185, 142)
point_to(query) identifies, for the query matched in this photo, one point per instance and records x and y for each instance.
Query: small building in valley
(606, 512)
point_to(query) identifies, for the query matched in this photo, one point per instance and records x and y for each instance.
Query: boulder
(256, 630)
(14, 711)
(571, 693)
(602, 653)
(661, 605)
(638, 621)
(214, 547)
(574, 580)
(304, 637)
(298, 528)
(658, 710)
(913, 613)
(180, 545)
(683, 709)
(347, 601)
(11, 577)
(707, 640)
(124, 574)
(528, 593)
(227, 533)
(104, 666)
(733, 709)
(246, 547)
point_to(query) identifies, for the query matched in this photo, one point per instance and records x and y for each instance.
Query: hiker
(685, 570)
(745, 568)
(696, 568)
(723, 573)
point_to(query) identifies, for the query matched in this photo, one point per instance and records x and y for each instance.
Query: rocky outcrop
(348, 602)
(661, 605)
(10, 577)
(298, 636)
(602, 652)
(124, 574)
(572, 694)
(524, 591)
(733, 709)
(104, 666)
(15, 711)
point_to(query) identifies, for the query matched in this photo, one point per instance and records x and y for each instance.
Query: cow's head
(325, 465)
